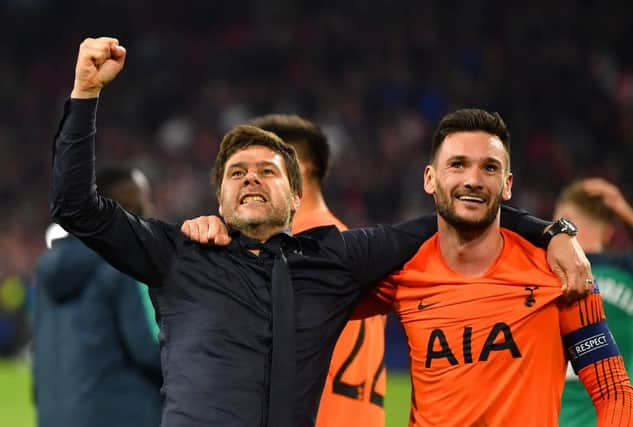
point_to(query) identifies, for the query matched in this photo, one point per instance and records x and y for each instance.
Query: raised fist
(98, 63)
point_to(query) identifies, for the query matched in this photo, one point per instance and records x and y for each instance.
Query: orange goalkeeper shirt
(488, 351)
(356, 381)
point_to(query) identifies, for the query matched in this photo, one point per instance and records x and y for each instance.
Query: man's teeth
(471, 199)
(251, 199)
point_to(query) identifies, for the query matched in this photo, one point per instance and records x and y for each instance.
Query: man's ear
(506, 194)
(220, 211)
(296, 201)
(429, 179)
(307, 169)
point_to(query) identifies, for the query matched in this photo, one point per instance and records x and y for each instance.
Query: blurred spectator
(96, 359)
(596, 206)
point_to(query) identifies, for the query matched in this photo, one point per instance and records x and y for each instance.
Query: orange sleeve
(590, 346)
(376, 301)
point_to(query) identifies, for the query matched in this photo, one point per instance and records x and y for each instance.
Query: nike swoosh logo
(424, 306)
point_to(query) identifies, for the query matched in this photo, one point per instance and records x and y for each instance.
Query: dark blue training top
(95, 362)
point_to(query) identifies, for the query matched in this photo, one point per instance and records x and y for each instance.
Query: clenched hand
(99, 61)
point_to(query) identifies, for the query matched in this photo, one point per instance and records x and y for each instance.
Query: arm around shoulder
(525, 224)
(374, 252)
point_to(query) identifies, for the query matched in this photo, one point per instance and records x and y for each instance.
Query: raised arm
(613, 198)
(135, 246)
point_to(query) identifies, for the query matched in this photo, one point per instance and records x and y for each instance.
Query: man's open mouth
(252, 198)
(474, 199)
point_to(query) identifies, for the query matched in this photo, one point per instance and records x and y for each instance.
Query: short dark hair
(111, 176)
(592, 206)
(244, 136)
(307, 137)
(467, 120)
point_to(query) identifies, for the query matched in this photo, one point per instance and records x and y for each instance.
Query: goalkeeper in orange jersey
(489, 337)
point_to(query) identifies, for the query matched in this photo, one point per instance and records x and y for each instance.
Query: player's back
(484, 351)
(355, 385)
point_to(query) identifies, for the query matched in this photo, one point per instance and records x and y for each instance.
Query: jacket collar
(283, 240)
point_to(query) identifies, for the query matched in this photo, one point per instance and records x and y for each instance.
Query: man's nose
(473, 178)
(251, 176)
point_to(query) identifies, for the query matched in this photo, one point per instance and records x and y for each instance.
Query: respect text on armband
(590, 344)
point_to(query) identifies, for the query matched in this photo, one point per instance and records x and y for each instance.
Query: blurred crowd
(376, 74)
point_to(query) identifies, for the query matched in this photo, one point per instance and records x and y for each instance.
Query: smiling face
(469, 177)
(255, 195)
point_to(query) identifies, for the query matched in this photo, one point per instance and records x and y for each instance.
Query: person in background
(595, 205)
(96, 359)
(356, 382)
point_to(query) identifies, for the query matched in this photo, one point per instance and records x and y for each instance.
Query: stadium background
(377, 74)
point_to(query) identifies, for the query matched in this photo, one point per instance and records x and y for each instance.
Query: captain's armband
(590, 344)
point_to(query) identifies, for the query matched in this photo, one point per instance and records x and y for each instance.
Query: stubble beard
(255, 226)
(445, 209)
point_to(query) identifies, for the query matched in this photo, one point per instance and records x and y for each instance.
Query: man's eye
(492, 168)
(268, 171)
(237, 174)
(456, 164)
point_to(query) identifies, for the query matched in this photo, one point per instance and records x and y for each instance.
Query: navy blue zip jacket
(94, 360)
(215, 303)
